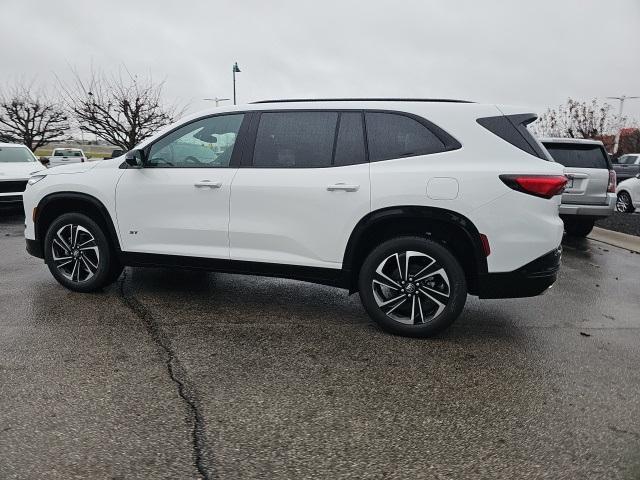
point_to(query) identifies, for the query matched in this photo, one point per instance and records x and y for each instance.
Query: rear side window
(579, 156)
(295, 140)
(391, 135)
(513, 129)
(627, 160)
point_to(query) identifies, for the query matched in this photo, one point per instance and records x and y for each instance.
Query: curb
(617, 239)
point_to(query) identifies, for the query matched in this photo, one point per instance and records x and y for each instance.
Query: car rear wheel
(412, 286)
(624, 203)
(78, 253)
(578, 227)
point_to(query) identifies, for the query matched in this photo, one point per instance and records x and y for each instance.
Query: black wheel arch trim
(112, 233)
(370, 220)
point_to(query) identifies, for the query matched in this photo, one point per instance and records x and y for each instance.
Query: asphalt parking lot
(178, 374)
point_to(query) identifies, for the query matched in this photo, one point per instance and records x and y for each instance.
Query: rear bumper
(528, 281)
(590, 210)
(34, 248)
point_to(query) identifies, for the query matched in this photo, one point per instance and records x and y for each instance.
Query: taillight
(611, 188)
(544, 186)
(485, 245)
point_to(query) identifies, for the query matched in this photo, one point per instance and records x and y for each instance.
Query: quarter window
(206, 143)
(295, 140)
(395, 136)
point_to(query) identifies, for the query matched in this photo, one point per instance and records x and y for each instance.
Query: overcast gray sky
(534, 52)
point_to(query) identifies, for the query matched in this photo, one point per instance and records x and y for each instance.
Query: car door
(178, 203)
(305, 188)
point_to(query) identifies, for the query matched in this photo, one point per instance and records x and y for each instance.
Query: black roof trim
(300, 100)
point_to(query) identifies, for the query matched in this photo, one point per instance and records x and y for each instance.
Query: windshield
(578, 156)
(16, 154)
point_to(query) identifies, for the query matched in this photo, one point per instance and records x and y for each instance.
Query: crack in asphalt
(176, 374)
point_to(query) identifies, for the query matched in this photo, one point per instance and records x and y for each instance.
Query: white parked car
(65, 156)
(628, 193)
(17, 163)
(412, 203)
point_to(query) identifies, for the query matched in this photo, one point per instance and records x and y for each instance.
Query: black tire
(624, 203)
(578, 227)
(91, 249)
(420, 321)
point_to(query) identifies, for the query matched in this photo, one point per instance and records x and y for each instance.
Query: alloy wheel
(623, 202)
(75, 253)
(411, 287)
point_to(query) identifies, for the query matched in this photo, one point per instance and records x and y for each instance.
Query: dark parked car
(627, 166)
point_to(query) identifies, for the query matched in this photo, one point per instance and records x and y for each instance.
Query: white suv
(413, 203)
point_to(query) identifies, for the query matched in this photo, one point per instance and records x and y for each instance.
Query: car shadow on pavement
(11, 214)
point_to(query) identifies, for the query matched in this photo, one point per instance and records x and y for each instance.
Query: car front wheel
(78, 253)
(412, 286)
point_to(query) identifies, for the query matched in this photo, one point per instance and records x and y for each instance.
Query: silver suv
(590, 191)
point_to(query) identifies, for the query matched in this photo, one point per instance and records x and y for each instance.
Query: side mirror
(44, 160)
(134, 158)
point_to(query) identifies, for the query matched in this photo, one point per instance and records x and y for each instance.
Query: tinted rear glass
(67, 153)
(295, 140)
(395, 136)
(579, 156)
(15, 154)
(513, 129)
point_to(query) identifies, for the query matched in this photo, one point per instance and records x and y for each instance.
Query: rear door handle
(207, 183)
(344, 187)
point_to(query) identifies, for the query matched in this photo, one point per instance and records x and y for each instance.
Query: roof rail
(294, 100)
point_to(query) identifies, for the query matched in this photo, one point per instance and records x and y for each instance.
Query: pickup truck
(627, 166)
(64, 156)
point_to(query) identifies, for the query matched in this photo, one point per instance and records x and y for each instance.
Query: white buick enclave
(412, 203)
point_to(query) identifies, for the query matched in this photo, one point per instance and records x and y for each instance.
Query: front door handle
(344, 187)
(207, 183)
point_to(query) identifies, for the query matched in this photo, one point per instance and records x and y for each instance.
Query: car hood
(18, 170)
(71, 168)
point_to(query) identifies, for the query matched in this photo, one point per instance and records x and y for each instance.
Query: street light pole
(216, 99)
(234, 70)
(620, 110)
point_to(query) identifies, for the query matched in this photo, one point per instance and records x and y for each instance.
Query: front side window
(295, 140)
(205, 143)
(16, 155)
(392, 135)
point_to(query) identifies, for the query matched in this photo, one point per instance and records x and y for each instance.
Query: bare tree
(578, 119)
(29, 116)
(121, 109)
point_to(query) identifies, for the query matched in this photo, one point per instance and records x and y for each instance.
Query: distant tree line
(594, 120)
(120, 109)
